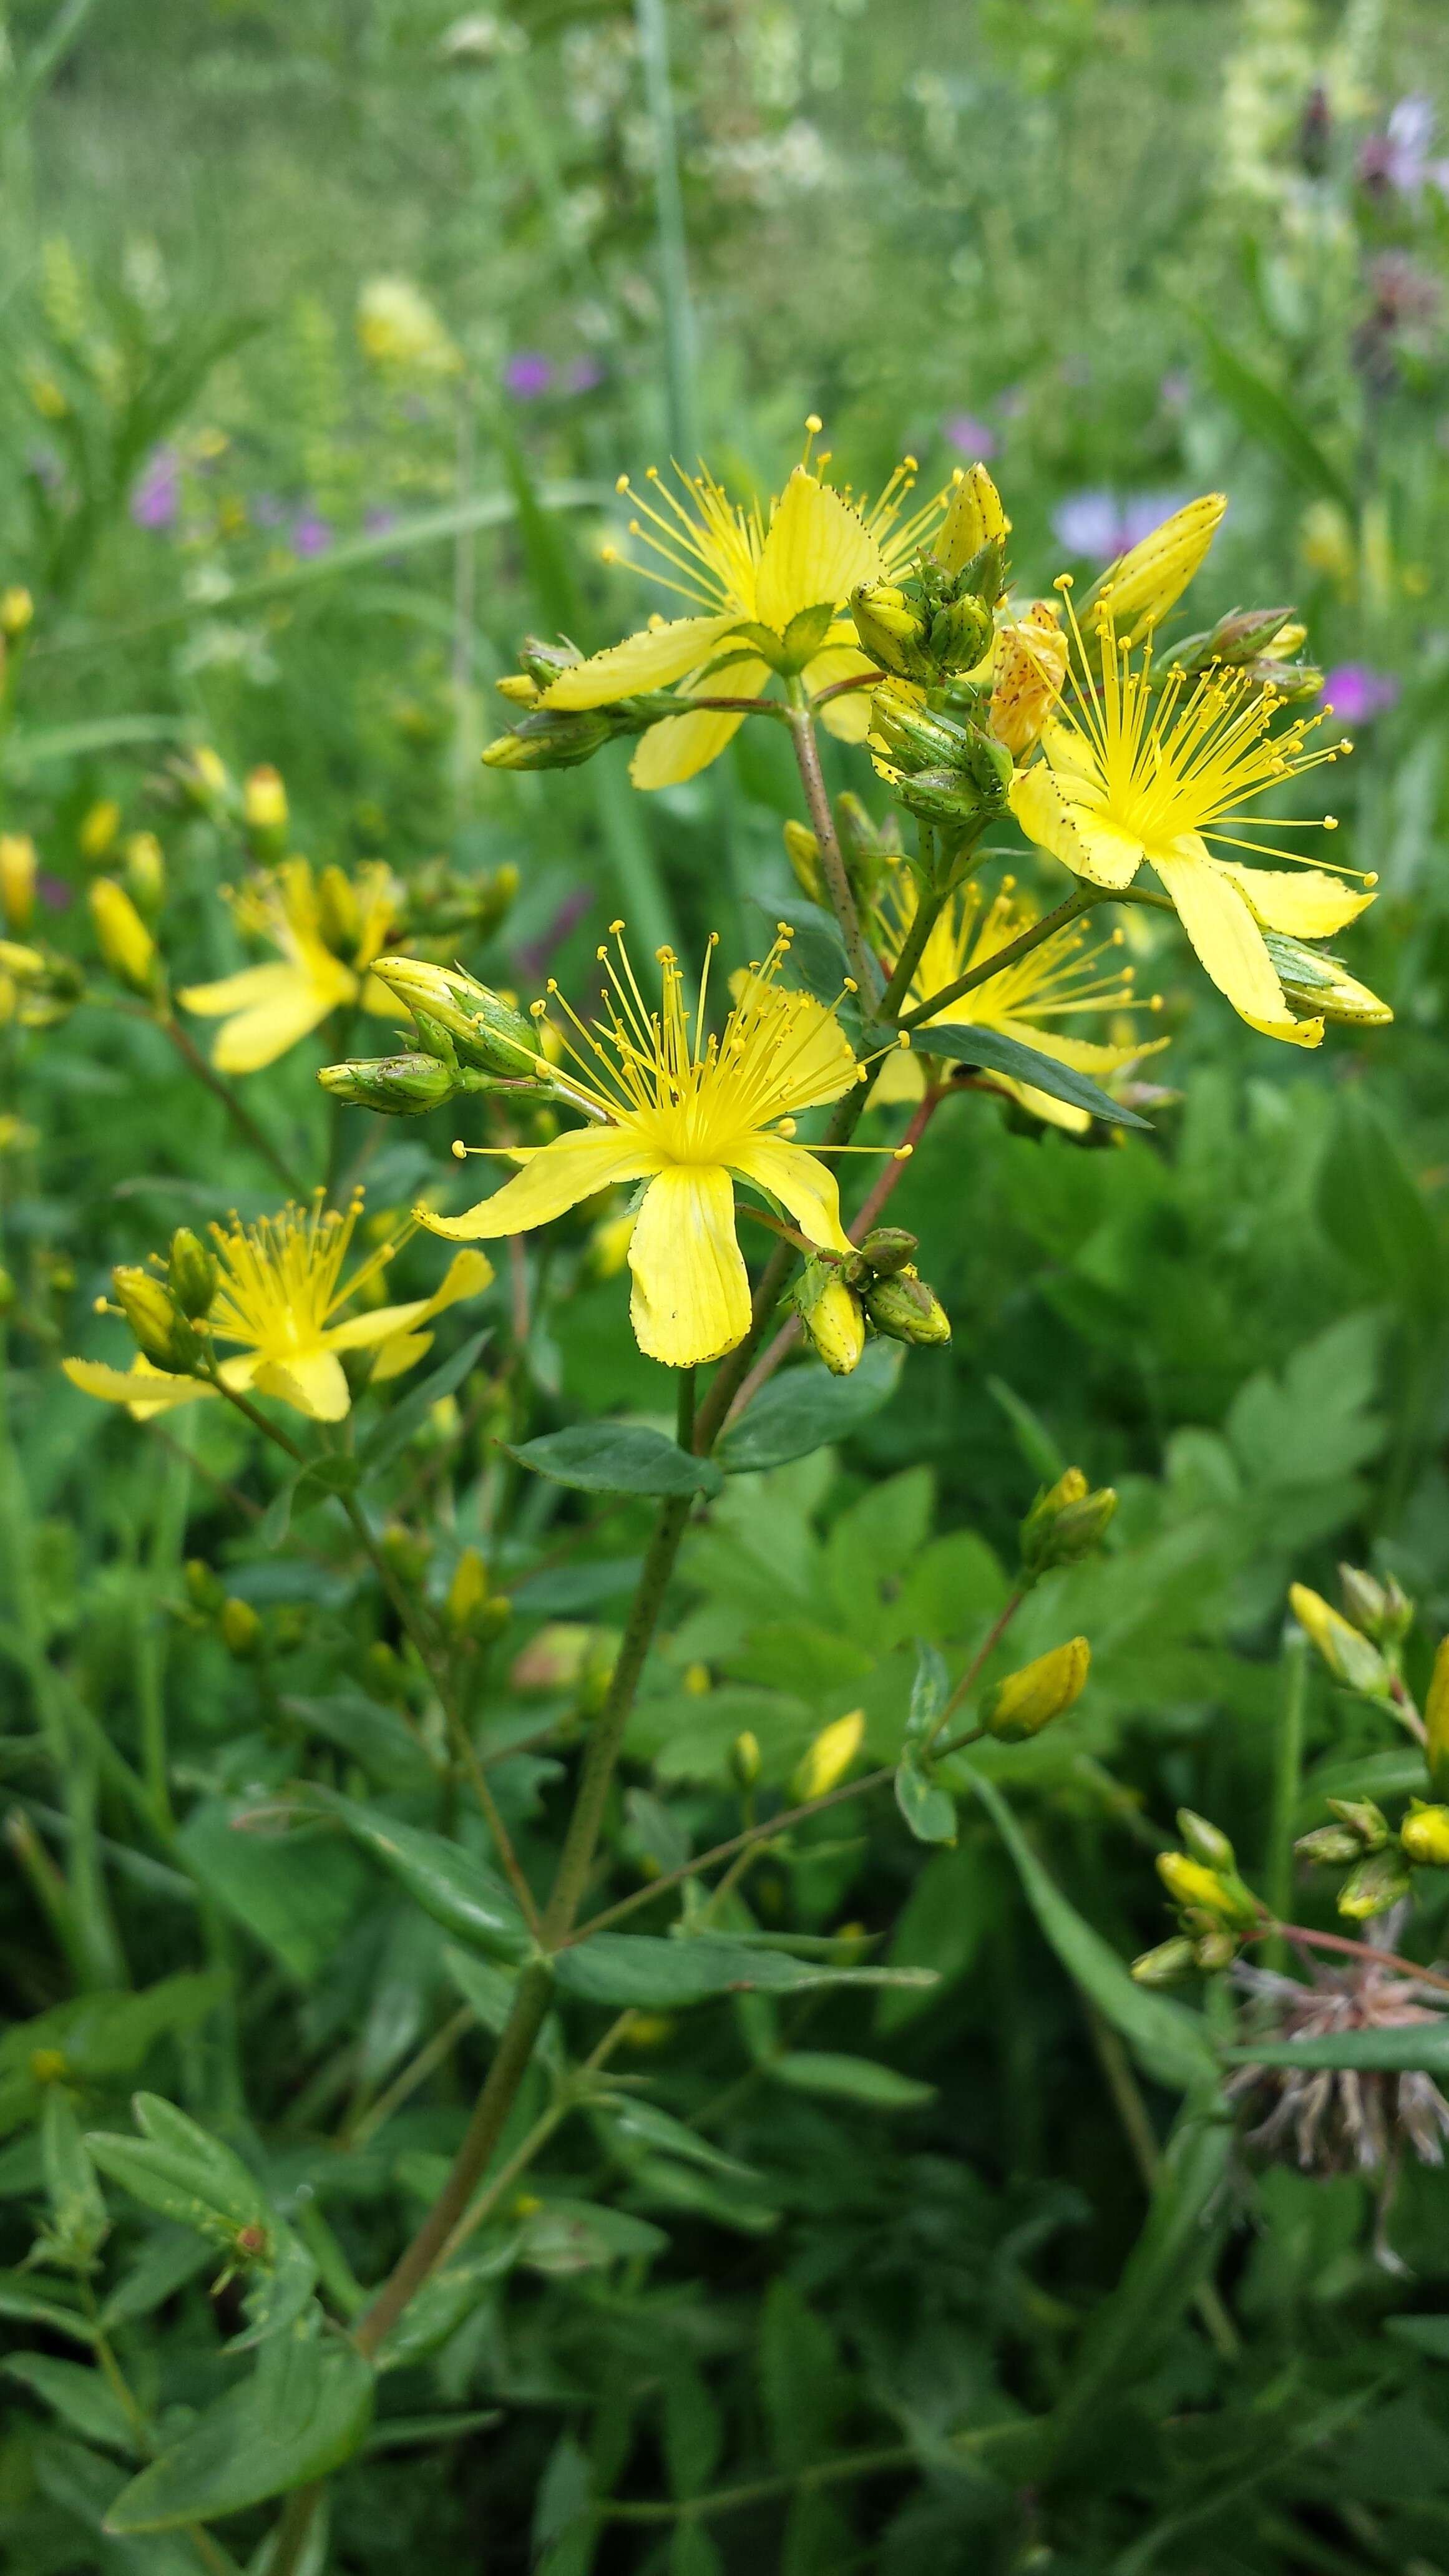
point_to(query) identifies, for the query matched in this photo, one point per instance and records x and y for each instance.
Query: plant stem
(828, 2473)
(822, 824)
(1085, 899)
(1137, 2128)
(241, 1117)
(743, 1841)
(416, 2072)
(1337, 1941)
(988, 1645)
(1287, 1776)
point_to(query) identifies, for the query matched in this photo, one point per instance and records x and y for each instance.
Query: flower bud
(1328, 1847)
(552, 739)
(203, 1590)
(17, 608)
(903, 1308)
(405, 1552)
(1436, 1721)
(148, 1307)
(1213, 1951)
(974, 519)
(485, 1031)
(518, 689)
(17, 879)
(1220, 1894)
(960, 633)
(888, 1248)
(1317, 987)
(825, 1762)
(1206, 1842)
(831, 1315)
(803, 852)
(1244, 635)
(401, 1086)
(123, 938)
(1137, 590)
(745, 1760)
(241, 1629)
(264, 810)
(9, 1294)
(1365, 1821)
(1380, 1881)
(468, 1590)
(99, 826)
(917, 737)
(191, 1274)
(145, 867)
(1027, 1701)
(892, 631)
(1349, 1656)
(204, 779)
(554, 1659)
(1031, 666)
(544, 660)
(1065, 1523)
(1424, 1835)
(1167, 1964)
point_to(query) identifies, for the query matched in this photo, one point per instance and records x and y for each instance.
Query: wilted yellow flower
(688, 1113)
(125, 942)
(17, 879)
(741, 569)
(281, 1295)
(1134, 774)
(1136, 592)
(1067, 975)
(399, 330)
(1027, 672)
(825, 1762)
(267, 1009)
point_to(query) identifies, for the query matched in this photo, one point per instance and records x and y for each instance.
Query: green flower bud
(1318, 987)
(1241, 636)
(542, 661)
(191, 1273)
(831, 1315)
(745, 1760)
(919, 738)
(892, 631)
(1214, 1951)
(1065, 1523)
(484, 1030)
(1424, 1835)
(888, 1248)
(1350, 1657)
(241, 1629)
(1328, 1847)
(148, 1307)
(1166, 1965)
(960, 632)
(7, 1292)
(1205, 1841)
(1436, 1720)
(203, 1590)
(903, 1308)
(1025, 1702)
(1380, 1880)
(1363, 1819)
(552, 738)
(401, 1086)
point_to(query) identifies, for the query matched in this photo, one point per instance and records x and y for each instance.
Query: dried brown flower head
(1343, 2120)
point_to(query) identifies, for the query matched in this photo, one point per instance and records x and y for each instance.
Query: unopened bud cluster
(468, 1040)
(1258, 644)
(561, 737)
(1215, 1907)
(877, 1287)
(1067, 1520)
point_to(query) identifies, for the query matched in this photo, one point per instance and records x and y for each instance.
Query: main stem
(822, 824)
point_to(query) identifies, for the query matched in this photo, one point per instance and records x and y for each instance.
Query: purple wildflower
(969, 436)
(1097, 525)
(157, 495)
(1358, 694)
(583, 375)
(54, 893)
(1398, 159)
(311, 535)
(528, 374)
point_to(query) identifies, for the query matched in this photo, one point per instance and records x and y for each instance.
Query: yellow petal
(652, 659)
(144, 1390)
(1085, 1054)
(817, 549)
(1229, 943)
(810, 1045)
(252, 989)
(691, 1298)
(312, 1381)
(1045, 1105)
(800, 1182)
(467, 1275)
(402, 1352)
(1084, 843)
(553, 1180)
(901, 1081)
(848, 718)
(681, 746)
(1304, 903)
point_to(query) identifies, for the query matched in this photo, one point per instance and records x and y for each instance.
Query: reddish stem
(1299, 1932)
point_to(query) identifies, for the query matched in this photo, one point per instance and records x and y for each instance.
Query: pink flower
(969, 436)
(157, 495)
(1358, 694)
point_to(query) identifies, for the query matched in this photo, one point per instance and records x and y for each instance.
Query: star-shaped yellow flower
(267, 1009)
(1139, 773)
(690, 1114)
(281, 1295)
(796, 568)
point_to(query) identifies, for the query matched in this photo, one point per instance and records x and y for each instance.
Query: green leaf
(929, 1810)
(18, 2299)
(297, 1907)
(181, 2171)
(446, 1879)
(1372, 1212)
(444, 2301)
(1171, 2043)
(803, 1408)
(317, 1482)
(634, 1968)
(1033, 1439)
(617, 1458)
(1266, 417)
(1412, 2047)
(817, 958)
(404, 1420)
(850, 2079)
(306, 2408)
(929, 1689)
(79, 2395)
(373, 1735)
(78, 2209)
(967, 1044)
(1427, 2334)
(644, 2125)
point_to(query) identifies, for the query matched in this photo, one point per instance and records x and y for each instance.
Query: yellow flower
(399, 330)
(281, 1294)
(689, 1114)
(740, 571)
(1136, 773)
(1057, 981)
(267, 1009)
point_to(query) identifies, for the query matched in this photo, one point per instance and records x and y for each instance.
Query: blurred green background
(329, 327)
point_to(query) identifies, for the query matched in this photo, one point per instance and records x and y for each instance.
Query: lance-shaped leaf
(965, 1043)
(306, 2408)
(448, 1881)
